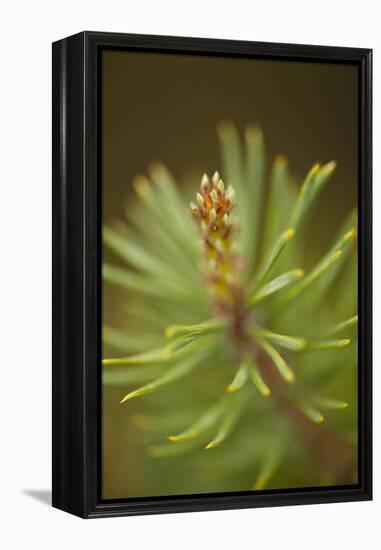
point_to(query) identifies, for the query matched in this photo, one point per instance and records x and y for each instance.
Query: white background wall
(27, 29)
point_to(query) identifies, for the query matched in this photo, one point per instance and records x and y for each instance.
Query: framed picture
(211, 274)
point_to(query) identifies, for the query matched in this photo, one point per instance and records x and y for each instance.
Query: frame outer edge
(365, 258)
(68, 420)
(76, 233)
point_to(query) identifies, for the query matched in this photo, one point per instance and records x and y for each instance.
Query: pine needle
(127, 342)
(255, 175)
(276, 218)
(180, 370)
(164, 354)
(293, 343)
(229, 420)
(311, 412)
(312, 185)
(274, 255)
(213, 325)
(283, 369)
(343, 326)
(270, 465)
(203, 423)
(333, 256)
(275, 285)
(127, 377)
(258, 381)
(328, 403)
(239, 379)
(158, 355)
(328, 344)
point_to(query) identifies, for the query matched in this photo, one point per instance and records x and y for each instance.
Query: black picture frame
(76, 273)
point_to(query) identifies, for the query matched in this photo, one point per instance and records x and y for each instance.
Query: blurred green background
(166, 107)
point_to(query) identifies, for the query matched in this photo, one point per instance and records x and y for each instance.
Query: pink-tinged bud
(205, 183)
(200, 199)
(214, 196)
(215, 178)
(230, 193)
